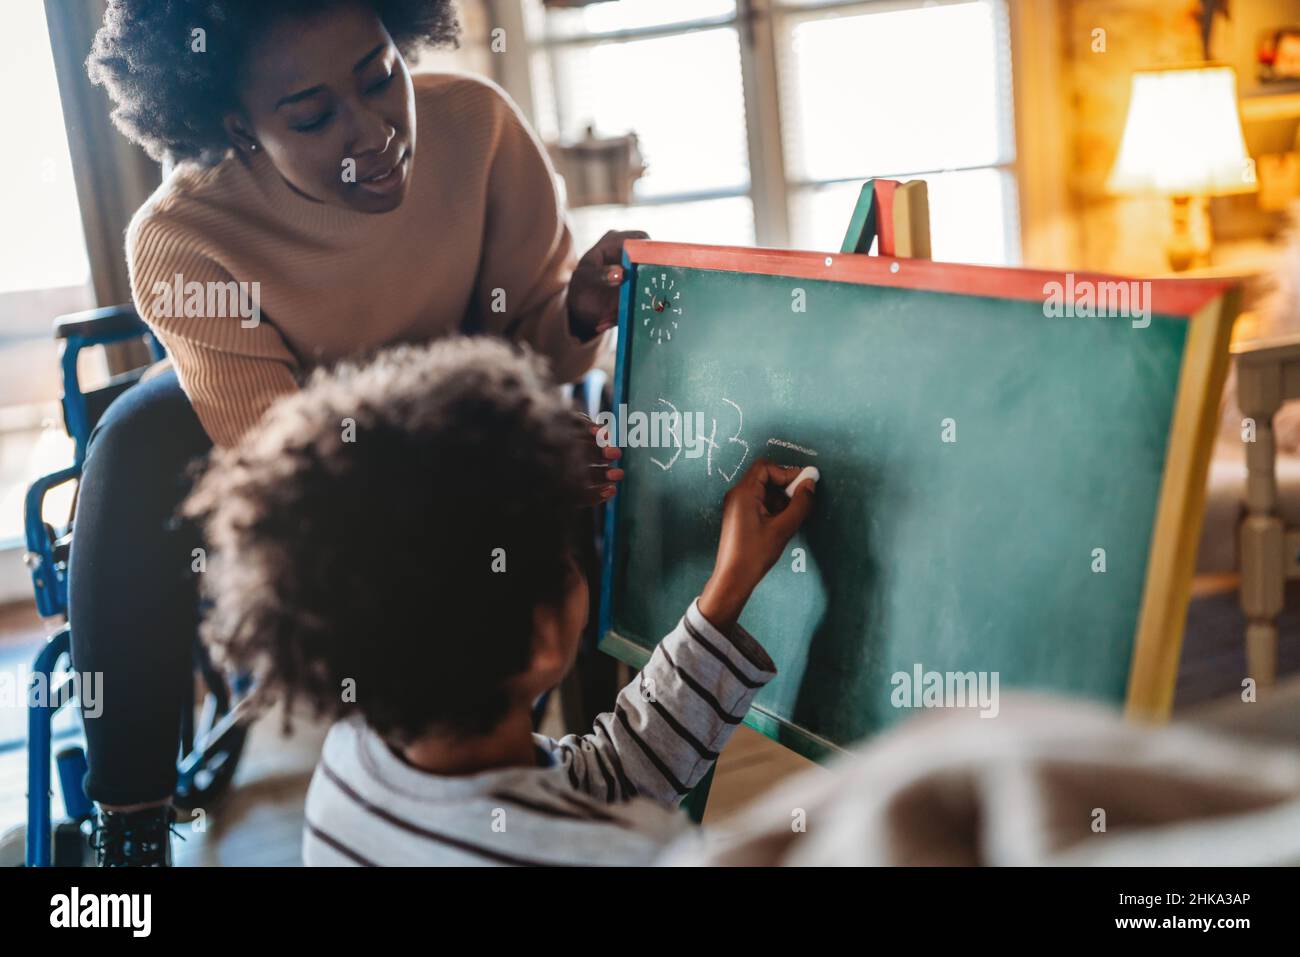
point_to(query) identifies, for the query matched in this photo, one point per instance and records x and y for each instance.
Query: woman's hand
(758, 520)
(603, 458)
(593, 289)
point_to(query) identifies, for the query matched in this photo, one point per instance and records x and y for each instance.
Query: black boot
(133, 838)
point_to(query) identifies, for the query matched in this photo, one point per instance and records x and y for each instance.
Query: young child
(396, 545)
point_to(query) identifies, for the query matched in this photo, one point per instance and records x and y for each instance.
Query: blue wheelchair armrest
(83, 330)
(101, 325)
(49, 577)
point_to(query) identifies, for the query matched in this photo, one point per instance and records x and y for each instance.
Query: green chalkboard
(975, 455)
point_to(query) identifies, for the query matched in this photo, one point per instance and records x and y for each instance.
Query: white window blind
(900, 90)
(844, 90)
(668, 70)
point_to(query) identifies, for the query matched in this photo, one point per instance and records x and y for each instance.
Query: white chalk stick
(810, 473)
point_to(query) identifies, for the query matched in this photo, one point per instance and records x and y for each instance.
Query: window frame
(757, 22)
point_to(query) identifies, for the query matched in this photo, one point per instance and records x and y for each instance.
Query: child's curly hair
(171, 101)
(355, 532)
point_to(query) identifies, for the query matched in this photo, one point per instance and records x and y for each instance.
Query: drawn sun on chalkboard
(661, 307)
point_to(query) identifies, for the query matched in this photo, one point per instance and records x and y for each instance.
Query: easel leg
(693, 803)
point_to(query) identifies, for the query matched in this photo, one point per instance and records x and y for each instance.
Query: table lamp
(1183, 140)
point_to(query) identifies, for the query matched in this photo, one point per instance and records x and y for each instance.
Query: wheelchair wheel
(212, 743)
(206, 781)
(13, 846)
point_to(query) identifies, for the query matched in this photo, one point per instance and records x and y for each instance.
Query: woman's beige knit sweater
(250, 285)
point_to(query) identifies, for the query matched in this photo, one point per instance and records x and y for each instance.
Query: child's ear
(550, 647)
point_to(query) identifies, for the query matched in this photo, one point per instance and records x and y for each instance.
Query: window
(44, 271)
(862, 88)
(640, 65)
(902, 91)
(41, 246)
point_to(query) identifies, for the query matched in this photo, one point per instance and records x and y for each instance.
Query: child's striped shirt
(605, 797)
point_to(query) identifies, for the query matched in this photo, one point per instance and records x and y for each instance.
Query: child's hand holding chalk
(809, 474)
(755, 531)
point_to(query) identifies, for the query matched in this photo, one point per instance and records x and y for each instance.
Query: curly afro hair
(354, 535)
(171, 101)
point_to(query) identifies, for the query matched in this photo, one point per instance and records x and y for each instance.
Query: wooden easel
(895, 217)
(897, 214)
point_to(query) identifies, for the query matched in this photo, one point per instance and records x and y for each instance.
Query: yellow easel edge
(1180, 512)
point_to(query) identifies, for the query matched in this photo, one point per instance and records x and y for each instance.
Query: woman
(302, 225)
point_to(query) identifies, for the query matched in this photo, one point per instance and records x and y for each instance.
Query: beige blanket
(1048, 781)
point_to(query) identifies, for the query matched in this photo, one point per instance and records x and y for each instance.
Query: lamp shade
(1183, 136)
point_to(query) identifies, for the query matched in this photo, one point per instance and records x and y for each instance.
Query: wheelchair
(212, 740)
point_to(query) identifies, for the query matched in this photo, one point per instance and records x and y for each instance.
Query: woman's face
(329, 99)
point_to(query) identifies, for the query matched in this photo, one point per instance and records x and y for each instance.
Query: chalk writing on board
(674, 431)
(711, 444)
(735, 439)
(782, 443)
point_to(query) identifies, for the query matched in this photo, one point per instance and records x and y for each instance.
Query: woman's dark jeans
(132, 592)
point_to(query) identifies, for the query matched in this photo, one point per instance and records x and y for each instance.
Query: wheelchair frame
(202, 769)
(210, 752)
